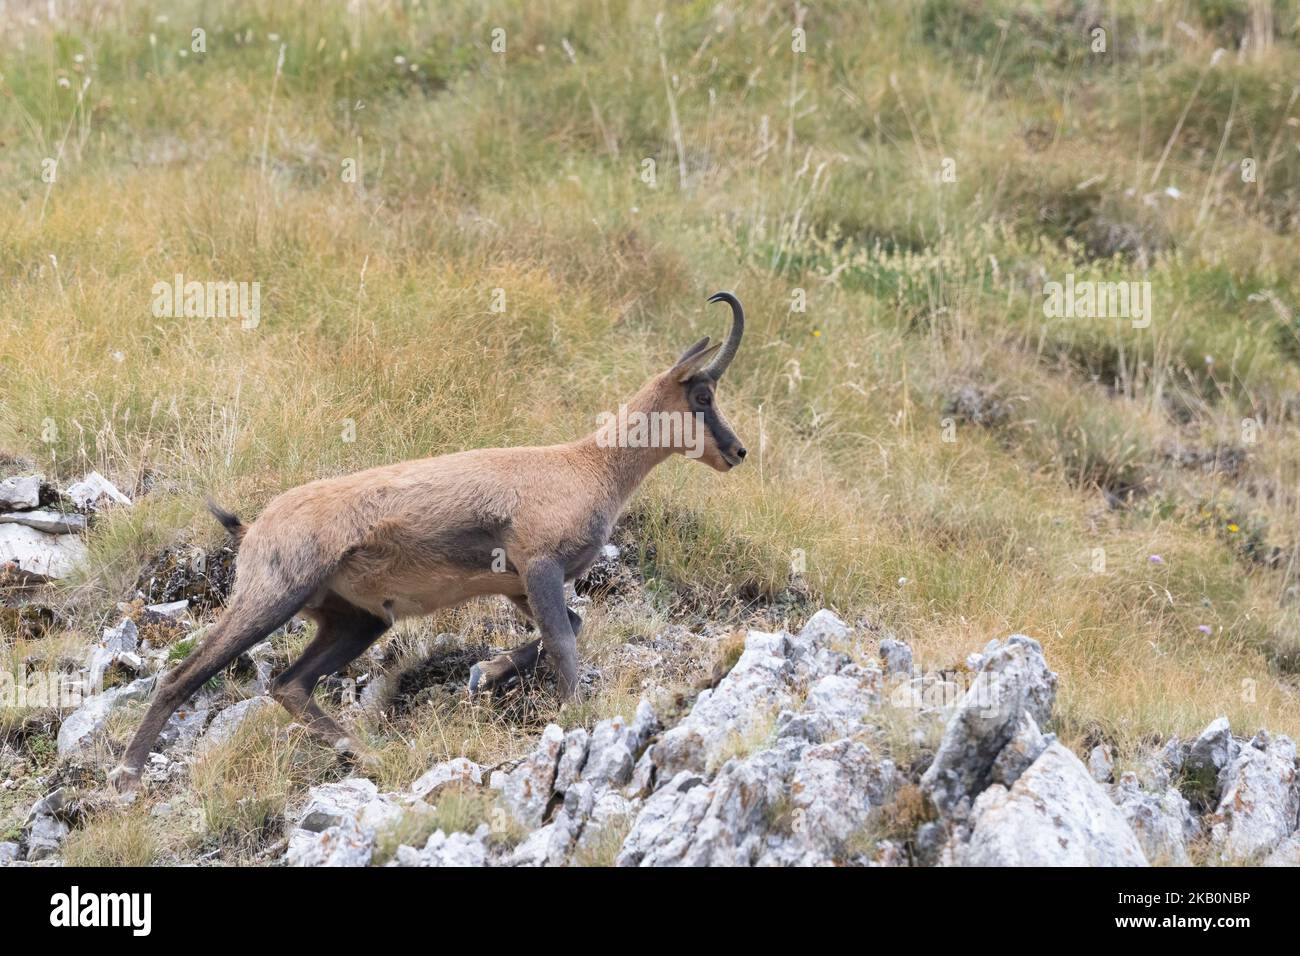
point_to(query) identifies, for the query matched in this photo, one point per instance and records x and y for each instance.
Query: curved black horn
(729, 348)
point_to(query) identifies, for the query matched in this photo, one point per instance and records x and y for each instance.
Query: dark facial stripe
(723, 436)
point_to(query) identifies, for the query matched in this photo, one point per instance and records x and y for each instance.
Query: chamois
(357, 552)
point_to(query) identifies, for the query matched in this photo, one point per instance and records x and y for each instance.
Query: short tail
(229, 521)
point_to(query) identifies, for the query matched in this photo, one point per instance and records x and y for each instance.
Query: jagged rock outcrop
(1204, 762)
(586, 815)
(1054, 815)
(1162, 821)
(527, 789)
(775, 766)
(339, 822)
(1260, 802)
(1012, 680)
(347, 844)
(754, 690)
(1025, 746)
(762, 779)
(798, 800)
(580, 777)
(793, 803)
(788, 760)
(441, 849)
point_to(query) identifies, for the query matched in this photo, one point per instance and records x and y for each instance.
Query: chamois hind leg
(343, 633)
(245, 622)
(514, 665)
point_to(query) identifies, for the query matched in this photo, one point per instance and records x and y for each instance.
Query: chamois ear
(693, 359)
(693, 350)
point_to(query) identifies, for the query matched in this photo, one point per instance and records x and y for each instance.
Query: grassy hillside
(889, 201)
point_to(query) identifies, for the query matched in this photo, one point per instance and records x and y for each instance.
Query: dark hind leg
(517, 665)
(343, 633)
(246, 622)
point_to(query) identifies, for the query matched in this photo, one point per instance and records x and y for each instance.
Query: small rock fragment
(95, 492)
(80, 727)
(225, 725)
(896, 657)
(20, 492)
(45, 835)
(1101, 764)
(1206, 759)
(173, 609)
(49, 522)
(459, 770)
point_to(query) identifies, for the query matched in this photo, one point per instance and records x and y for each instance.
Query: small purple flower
(1204, 628)
(1156, 559)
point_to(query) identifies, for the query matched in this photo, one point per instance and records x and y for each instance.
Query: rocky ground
(823, 747)
(828, 746)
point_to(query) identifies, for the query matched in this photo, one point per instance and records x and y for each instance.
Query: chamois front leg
(544, 582)
(518, 664)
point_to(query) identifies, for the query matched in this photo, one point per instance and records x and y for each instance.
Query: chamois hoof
(489, 677)
(123, 781)
(360, 756)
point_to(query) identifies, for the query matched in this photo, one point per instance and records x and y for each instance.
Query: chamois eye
(704, 398)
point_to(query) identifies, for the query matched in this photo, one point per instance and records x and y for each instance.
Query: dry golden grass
(117, 838)
(453, 810)
(815, 172)
(244, 785)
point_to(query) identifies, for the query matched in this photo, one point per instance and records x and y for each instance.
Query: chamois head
(689, 388)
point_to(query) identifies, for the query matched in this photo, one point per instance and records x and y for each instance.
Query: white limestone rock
(49, 555)
(756, 688)
(526, 790)
(80, 727)
(20, 492)
(1054, 815)
(1260, 802)
(47, 521)
(459, 771)
(227, 723)
(347, 844)
(95, 493)
(1162, 821)
(1013, 679)
(444, 850)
